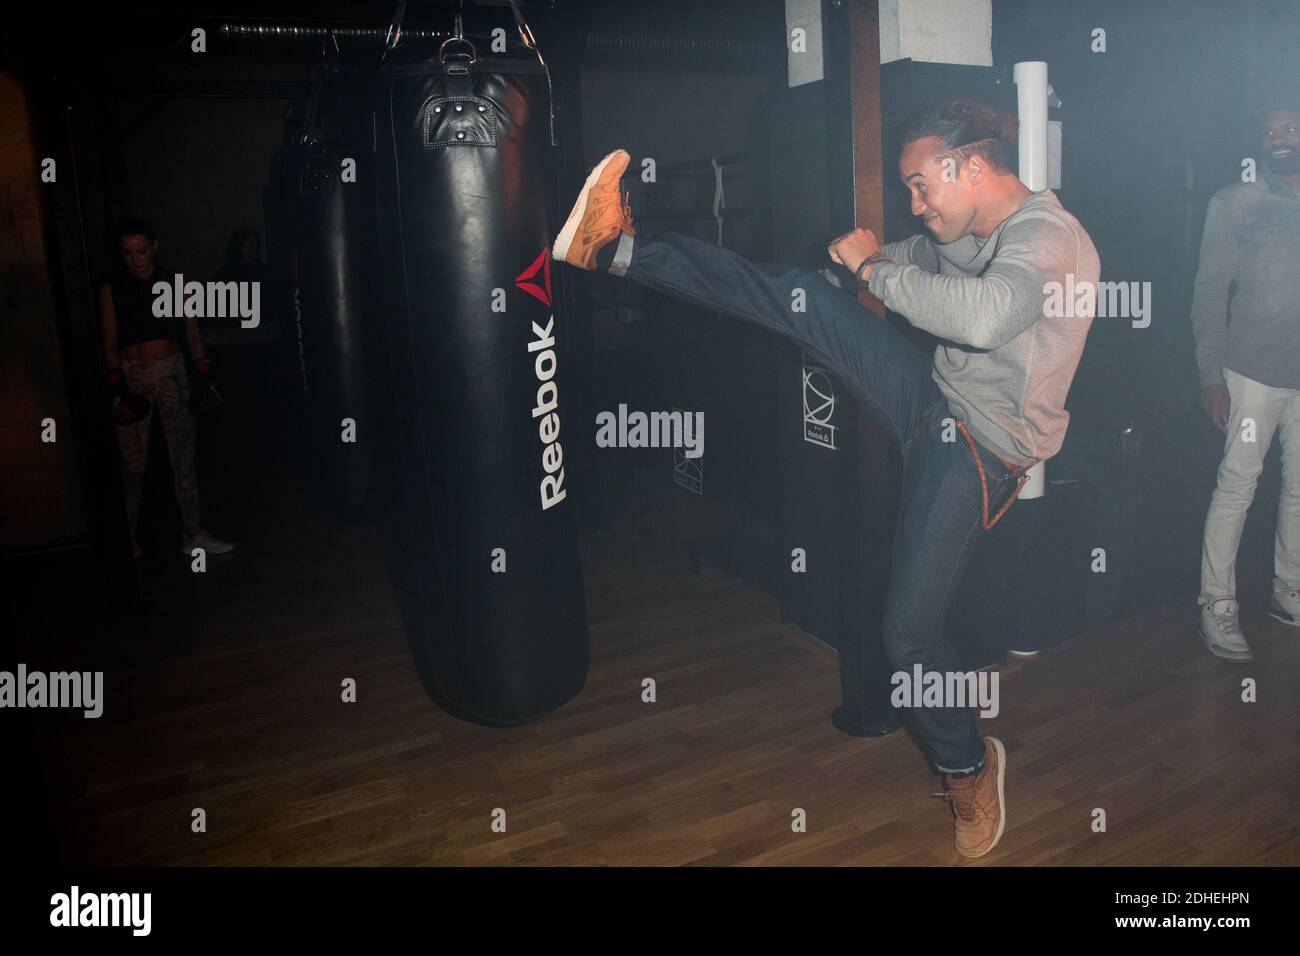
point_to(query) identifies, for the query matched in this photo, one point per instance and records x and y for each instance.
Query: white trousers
(1255, 413)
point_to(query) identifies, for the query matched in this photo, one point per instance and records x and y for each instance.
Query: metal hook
(394, 34)
(526, 34)
(525, 31)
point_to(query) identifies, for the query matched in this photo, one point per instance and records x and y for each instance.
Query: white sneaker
(1285, 606)
(1222, 633)
(209, 543)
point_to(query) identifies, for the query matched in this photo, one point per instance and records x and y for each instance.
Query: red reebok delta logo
(527, 279)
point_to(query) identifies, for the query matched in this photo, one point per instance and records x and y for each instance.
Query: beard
(1287, 165)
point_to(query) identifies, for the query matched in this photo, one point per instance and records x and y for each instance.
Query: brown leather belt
(1016, 471)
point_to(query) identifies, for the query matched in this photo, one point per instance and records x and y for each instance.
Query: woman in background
(146, 371)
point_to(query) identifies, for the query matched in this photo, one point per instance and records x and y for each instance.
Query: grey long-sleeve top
(1005, 367)
(1250, 270)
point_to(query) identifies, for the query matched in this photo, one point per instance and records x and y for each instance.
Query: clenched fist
(851, 248)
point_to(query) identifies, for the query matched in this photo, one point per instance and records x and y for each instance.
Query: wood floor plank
(229, 699)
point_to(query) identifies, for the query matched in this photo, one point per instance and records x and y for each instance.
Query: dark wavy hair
(133, 226)
(965, 128)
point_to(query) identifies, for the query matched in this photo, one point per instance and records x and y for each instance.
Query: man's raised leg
(889, 374)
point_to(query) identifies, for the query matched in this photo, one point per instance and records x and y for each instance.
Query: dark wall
(1165, 102)
(196, 167)
(1152, 128)
(42, 504)
(663, 95)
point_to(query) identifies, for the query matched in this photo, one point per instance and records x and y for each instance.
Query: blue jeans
(940, 513)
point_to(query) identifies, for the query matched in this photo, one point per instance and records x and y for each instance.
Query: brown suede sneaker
(979, 805)
(598, 216)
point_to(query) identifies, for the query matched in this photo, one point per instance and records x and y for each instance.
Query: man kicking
(969, 420)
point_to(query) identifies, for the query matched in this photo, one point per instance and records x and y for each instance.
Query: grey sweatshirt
(1251, 238)
(1004, 366)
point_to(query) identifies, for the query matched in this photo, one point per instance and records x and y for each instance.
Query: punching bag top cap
(431, 64)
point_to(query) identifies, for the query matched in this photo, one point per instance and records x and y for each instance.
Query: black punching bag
(491, 586)
(279, 200)
(338, 316)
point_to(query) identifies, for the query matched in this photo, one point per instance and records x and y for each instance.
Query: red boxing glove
(209, 399)
(130, 407)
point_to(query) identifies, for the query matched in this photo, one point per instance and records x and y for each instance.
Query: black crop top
(133, 300)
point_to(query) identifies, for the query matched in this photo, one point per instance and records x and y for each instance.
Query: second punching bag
(339, 318)
(466, 173)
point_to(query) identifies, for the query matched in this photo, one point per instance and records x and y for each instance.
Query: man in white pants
(1250, 371)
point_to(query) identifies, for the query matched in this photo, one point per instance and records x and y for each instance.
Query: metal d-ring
(442, 56)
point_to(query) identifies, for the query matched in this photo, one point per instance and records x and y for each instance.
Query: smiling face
(1281, 142)
(942, 194)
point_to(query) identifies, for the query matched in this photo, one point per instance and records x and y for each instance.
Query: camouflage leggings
(166, 385)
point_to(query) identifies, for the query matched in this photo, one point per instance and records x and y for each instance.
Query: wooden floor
(227, 699)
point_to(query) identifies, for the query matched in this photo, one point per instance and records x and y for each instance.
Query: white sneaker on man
(209, 543)
(1221, 631)
(1285, 606)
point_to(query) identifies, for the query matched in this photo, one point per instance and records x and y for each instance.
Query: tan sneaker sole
(1001, 753)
